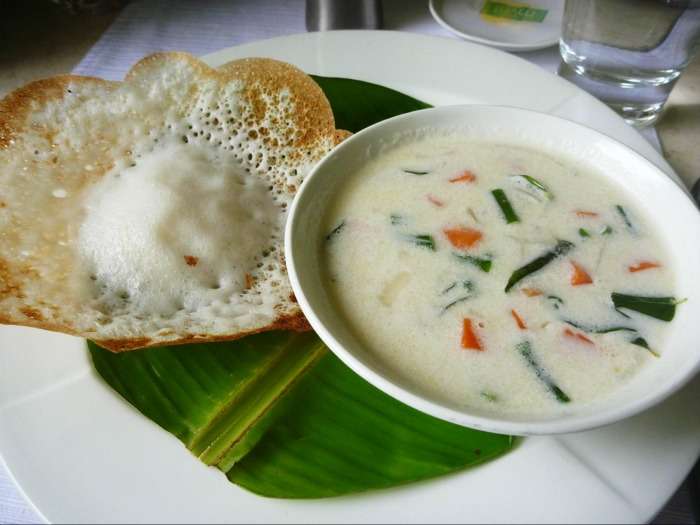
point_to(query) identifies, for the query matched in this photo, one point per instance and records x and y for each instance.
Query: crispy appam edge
(293, 323)
(17, 106)
(341, 135)
(313, 119)
(16, 109)
(313, 115)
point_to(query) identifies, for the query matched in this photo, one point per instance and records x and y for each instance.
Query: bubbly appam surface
(151, 211)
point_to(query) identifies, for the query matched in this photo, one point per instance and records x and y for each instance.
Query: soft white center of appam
(176, 231)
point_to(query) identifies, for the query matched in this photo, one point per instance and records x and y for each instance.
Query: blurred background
(39, 38)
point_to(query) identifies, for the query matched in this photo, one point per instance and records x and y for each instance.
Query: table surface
(40, 39)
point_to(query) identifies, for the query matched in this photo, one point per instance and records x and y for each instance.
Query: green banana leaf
(283, 417)
(357, 104)
(277, 412)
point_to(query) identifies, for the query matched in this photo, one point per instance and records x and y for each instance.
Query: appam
(151, 211)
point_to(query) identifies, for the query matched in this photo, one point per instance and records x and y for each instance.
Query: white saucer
(465, 19)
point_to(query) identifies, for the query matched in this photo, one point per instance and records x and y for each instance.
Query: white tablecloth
(202, 27)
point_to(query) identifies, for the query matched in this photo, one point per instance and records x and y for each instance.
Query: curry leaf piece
(335, 231)
(556, 301)
(625, 218)
(532, 186)
(484, 263)
(662, 308)
(396, 219)
(561, 248)
(640, 341)
(599, 329)
(423, 240)
(506, 207)
(525, 350)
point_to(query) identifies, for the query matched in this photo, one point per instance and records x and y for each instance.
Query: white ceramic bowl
(677, 220)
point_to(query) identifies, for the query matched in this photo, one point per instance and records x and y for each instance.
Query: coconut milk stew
(496, 278)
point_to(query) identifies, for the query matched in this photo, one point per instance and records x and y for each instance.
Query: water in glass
(629, 53)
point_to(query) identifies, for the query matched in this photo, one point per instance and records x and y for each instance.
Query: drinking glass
(629, 53)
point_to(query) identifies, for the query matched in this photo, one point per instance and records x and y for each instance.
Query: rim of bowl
(565, 424)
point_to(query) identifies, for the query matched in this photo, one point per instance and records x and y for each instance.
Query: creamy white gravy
(396, 259)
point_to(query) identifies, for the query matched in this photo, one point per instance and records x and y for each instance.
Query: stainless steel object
(324, 15)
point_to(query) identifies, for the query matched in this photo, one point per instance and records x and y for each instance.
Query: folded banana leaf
(283, 417)
(278, 413)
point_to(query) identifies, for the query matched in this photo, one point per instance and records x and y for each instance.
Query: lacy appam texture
(151, 211)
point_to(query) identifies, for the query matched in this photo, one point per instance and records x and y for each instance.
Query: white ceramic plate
(463, 18)
(82, 454)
